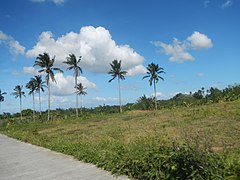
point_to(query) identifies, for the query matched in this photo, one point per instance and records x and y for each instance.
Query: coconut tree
(31, 85)
(153, 73)
(72, 62)
(1, 98)
(44, 61)
(80, 90)
(40, 85)
(116, 71)
(19, 93)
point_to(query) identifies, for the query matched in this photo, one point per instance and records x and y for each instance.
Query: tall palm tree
(44, 61)
(31, 85)
(18, 92)
(1, 98)
(73, 64)
(40, 85)
(153, 73)
(81, 91)
(116, 71)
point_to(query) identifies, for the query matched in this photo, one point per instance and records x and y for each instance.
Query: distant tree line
(46, 65)
(200, 97)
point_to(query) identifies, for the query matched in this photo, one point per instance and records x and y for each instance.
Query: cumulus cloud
(30, 70)
(199, 41)
(178, 50)
(227, 4)
(96, 47)
(57, 2)
(14, 46)
(137, 70)
(65, 85)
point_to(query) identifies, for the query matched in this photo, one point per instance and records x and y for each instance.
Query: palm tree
(1, 98)
(153, 73)
(31, 85)
(73, 64)
(80, 91)
(116, 71)
(19, 93)
(44, 61)
(40, 84)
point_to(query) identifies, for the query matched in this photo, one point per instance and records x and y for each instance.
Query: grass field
(148, 144)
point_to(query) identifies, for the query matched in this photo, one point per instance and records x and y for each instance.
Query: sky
(196, 42)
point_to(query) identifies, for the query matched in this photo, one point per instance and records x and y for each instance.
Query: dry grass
(219, 122)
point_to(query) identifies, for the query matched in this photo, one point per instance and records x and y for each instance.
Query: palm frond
(57, 69)
(80, 89)
(153, 72)
(112, 79)
(116, 70)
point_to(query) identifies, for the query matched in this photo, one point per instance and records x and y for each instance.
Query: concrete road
(24, 161)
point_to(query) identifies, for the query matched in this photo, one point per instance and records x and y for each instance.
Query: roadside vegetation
(198, 142)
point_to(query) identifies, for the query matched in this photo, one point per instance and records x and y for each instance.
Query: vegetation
(73, 64)
(40, 85)
(200, 142)
(153, 74)
(44, 61)
(80, 90)
(116, 71)
(18, 93)
(31, 85)
(1, 98)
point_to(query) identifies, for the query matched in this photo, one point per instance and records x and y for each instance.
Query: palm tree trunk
(0, 108)
(119, 93)
(20, 108)
(33, 108)
(81, 103)
(48, 101)
(155, 94)
(39, 99)
(76, 96)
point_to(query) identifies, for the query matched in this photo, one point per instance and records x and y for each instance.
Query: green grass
(148, 144)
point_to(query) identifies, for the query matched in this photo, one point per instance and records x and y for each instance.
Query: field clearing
(112, 141)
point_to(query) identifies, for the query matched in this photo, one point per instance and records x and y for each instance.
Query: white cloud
(95, 45)
(178, 50)
(227, 4)
(65, 85)
(159, 95)
(199, 41)
(3, 36)
(30, 70)
(57, 2)
(137, 70)
(14, 46)
(108, 100)
(59, 99)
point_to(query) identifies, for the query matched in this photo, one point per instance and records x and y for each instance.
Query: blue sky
(196, 42)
